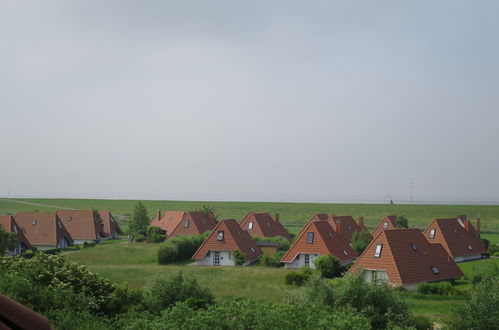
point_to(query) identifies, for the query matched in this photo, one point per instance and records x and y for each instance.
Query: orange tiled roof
(80, 224)
(8, 222)
(347, 226)
(173, 223)
(263, 226)
(110, 224)
(42, 228)
(391, 221)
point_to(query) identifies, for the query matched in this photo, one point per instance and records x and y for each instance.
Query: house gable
(263, 225)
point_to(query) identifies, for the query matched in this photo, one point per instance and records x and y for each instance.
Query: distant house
(317, 238)
(388, 222)
(10, 225)
(262, 224)
(175, 223)
(44, 230)
(345, 225)
(403, 257)
(81, 225)
(319, 216)
(458, 237)
(111, 227)
(13, 315)
(227, 236)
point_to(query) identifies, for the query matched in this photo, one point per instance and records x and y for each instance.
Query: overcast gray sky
(250, 100)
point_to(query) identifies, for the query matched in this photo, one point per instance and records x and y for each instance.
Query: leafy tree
(239, 258)
(140, 220)
(155, 234)
(479, 312)
(7, 241)
(206, 209)
(328, 266)
(360, 241)
(486, 243)
(97, 217)
(165, 292)
(402, 222)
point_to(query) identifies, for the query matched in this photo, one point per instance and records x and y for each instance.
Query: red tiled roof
(13, 315)
(403, 264)
(454, 237)
(347, 226)
(10, 225)
(391, 221)
(110, 224)
(42, 228)
(264, 226)
(320, 216)
(326, 241)
(235, 238)
(80, 224)
(173, 223)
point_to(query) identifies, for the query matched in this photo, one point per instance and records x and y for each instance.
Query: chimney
(277, 217)
(158, 215)
(467, 225)
(338, 226)
(478, 223)
(211, 216)
(361, 221)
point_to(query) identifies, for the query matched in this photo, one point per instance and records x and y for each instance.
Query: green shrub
(139, 237)
(155, 234)
(273, 261)
(437, 288)
(360, 241)
(167, 253)
(496, 254)
(239, 257)
(165, 292)
(482, 269)
(328, 266)
(298, 277)
(422, 322)
(52, 251)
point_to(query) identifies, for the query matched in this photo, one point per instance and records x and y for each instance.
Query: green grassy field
(293, 215)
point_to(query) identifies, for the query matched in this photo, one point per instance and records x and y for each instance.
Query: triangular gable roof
(347, 225)
(172, 223)
(391, 221)
(169, 221)
(326, 241)
(264, 226)
(202, 222)
(42, 228)
(319, 216)
(405, 264)
(110, 224)
(10, 225)
(235, 238)
(454, 237)
(80, 224)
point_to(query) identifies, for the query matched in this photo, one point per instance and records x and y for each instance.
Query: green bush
(360, 241)
(422, 322)
(239, 257)
(284, 244)
(493, 249)
(482, 269)
(328, 266)
(298, 277)
(167, 253)
(52, 251)
(155, 234)
(139, 237)
(179, 248)
(273, 261)
(165, 292)
(437, 288)
(496, 254)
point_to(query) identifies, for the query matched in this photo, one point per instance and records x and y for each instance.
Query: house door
(216, 258)
(307, 260)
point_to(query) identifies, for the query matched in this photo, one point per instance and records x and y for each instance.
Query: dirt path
(36, 204)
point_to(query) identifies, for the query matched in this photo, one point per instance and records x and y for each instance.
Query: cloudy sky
(250, 100)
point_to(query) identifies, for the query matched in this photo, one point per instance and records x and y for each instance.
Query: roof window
(310, 238)
(414, 247)
(470, 247)
(385, 225)
(238, 232)
(435, 270)
(34, 222)
(252, 250)
(250, 225)
(186, 223)
(70, 218)
(377, 252)
(432, 233)
(345, 252)
(60, 225)
(220, 235)
(268, 224)
(330, 234)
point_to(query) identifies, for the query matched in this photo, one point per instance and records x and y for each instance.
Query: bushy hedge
(437, 288)
(179, 248)
(155, 234)
(284, 244)
(328, 266)
(298, 278)
(273, 261)
(482, 269)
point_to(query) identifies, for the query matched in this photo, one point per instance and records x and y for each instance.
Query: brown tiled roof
(403, 264)
(80, 224)
(319, 216)
(326, 241)
(13, 315)
(391, 220)
(42, 228)
(347, 226)
(110, 224)
(172, 222)
(264, 226)
(454, 237)
(8, 222)
(235, 238)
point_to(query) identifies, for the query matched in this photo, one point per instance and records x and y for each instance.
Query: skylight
(34, 222)
(250, 225)
(70, 218)
(252, 250)
(345, 252)
(220, 235)
(385, 225)
(310, 238)
(377, 252)
(435, 270)
(432, 233)
(330, 234)
(414, 247)
(470, 247)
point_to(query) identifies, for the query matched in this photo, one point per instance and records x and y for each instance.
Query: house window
(220, 235)
(432, 233)
(385, 225)
(307, 259)
(310, 238)
(455, 231)
(330, 234)
(252, 250)
(414, 247)
(250, 225)
(34, 222)
(350, 243)
(186, 223)
(377, 253)
(435, 270)
(70, 218)
(345, 252)
(470, 247)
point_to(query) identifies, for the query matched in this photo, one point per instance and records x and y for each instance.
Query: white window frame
(250, 225)
(377, 252)
(433, 231)
(385, 225)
